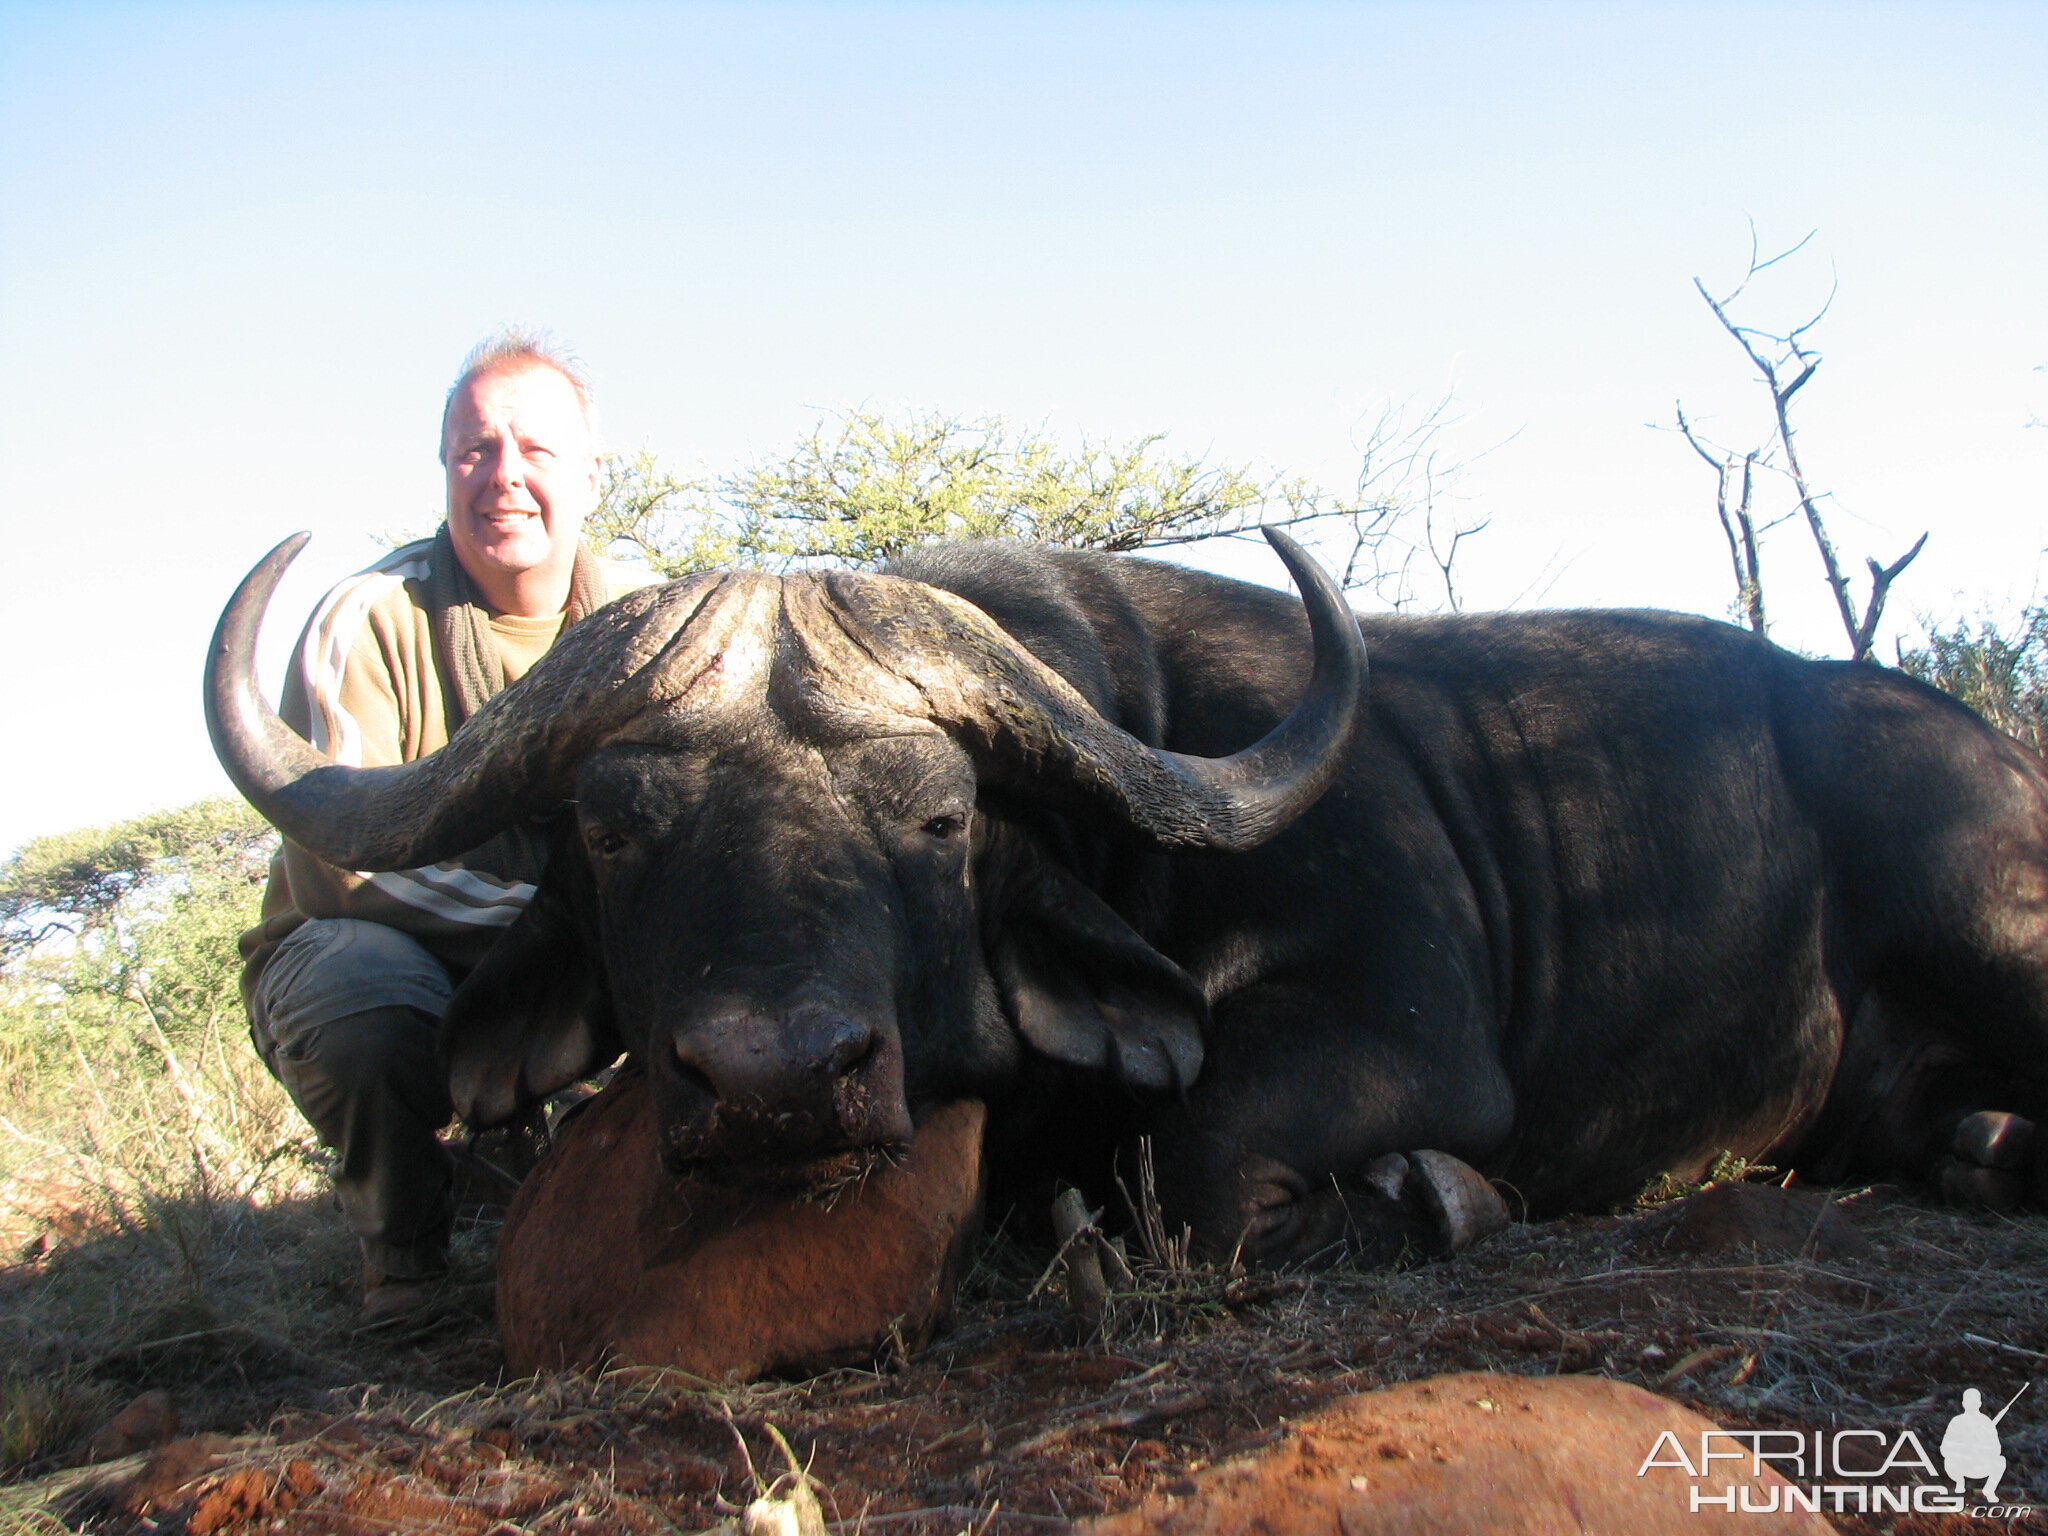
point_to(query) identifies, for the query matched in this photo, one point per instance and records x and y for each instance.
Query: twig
(947, 1512)
(1785, 364)
(1120, 1418)
(2014, 1349)
(971, 1427)
(1074, 1224)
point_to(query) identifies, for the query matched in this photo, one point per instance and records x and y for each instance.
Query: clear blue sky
(243, 246)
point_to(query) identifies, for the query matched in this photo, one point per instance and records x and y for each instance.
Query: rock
(604, 1257)
(1755, 1218)
(169, 1469)
(144, 1424)
(1450, 1455)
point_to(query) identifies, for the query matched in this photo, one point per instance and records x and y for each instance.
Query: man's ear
(534, 1016)
(1083, 987)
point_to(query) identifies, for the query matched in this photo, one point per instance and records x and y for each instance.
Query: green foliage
(2003, 676)
(670, 523)
(865, 488)
(115, 940)
(1726, 1168)
(87, 880)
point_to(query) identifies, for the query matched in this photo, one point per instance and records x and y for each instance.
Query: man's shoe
(412, 1309)
(391, 1305)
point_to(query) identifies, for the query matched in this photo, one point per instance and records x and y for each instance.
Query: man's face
(522, 471)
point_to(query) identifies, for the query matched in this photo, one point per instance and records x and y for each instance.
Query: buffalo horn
(1030, 728)
(511, 760)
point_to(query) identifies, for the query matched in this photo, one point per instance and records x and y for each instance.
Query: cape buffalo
(1126, 850)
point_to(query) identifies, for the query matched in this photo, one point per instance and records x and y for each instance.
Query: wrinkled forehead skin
(835, 656)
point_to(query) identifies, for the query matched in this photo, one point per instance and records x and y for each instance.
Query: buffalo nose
(847, 1044)
(775, 1060)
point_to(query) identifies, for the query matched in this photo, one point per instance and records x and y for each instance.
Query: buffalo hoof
(1463, 1206)
(606, 1258)
(1993, 1139)
(1992, 1153)
(1454, 1454)
(1388, 1175)
(1423, 1204)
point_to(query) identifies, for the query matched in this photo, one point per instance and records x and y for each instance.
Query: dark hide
(534, 1016)
(1599, 896)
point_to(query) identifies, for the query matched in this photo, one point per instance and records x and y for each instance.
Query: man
(348, 975)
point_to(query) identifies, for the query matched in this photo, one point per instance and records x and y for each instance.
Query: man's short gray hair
(511, 348)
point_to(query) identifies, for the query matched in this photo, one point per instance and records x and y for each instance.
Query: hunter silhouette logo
(1970, 1448)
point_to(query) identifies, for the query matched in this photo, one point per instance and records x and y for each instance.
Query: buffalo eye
(604, 842)
(943, 827)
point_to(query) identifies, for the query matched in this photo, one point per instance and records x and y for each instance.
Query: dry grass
(167, 1228)
(172, 1231)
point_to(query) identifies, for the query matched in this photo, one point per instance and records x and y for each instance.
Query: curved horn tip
(262, 580)
(238, 718)
(1301, 565)
(285, 551)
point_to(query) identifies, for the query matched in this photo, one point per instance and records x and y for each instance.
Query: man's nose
(511, 466)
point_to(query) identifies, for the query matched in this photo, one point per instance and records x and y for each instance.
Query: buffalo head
(787, 817)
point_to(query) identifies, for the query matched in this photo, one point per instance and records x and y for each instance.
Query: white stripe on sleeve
(323, 656)
(458, 895)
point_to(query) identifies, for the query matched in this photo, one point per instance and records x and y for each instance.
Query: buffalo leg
(1912, 1101)
(1937, 832)
(1318, 1143)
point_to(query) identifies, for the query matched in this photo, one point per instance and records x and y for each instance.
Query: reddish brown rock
(604, 1257)
(1450, 1455)
(1759, 1219)
(167, 1471)
(148, 1421)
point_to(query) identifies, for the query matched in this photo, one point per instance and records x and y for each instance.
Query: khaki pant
(347, 1015)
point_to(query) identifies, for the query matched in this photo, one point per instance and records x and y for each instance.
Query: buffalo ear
(1084, 988)
(534, 1016)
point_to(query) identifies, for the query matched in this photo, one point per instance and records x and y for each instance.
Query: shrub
(2002, 675)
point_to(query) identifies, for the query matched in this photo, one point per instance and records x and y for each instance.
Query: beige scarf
(471, 668)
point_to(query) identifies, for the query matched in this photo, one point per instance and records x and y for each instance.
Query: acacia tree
(120, 939)
(104, 880)
(861, 488)
(1785, 364)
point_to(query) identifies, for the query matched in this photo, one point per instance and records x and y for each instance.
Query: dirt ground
(1015, 1421)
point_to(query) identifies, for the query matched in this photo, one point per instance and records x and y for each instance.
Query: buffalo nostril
(848, 1045)
(784, 1060)
(690, 1073)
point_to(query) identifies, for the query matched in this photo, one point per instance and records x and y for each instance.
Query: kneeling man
(348, 975)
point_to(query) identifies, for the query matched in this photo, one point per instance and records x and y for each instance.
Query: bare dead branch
(1881, 579)
(1738, 524)
(1785, 364)
(1756, 266)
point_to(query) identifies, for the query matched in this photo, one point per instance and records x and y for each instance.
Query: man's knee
(333, 968)
(347, 1013)
(380, 1062)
